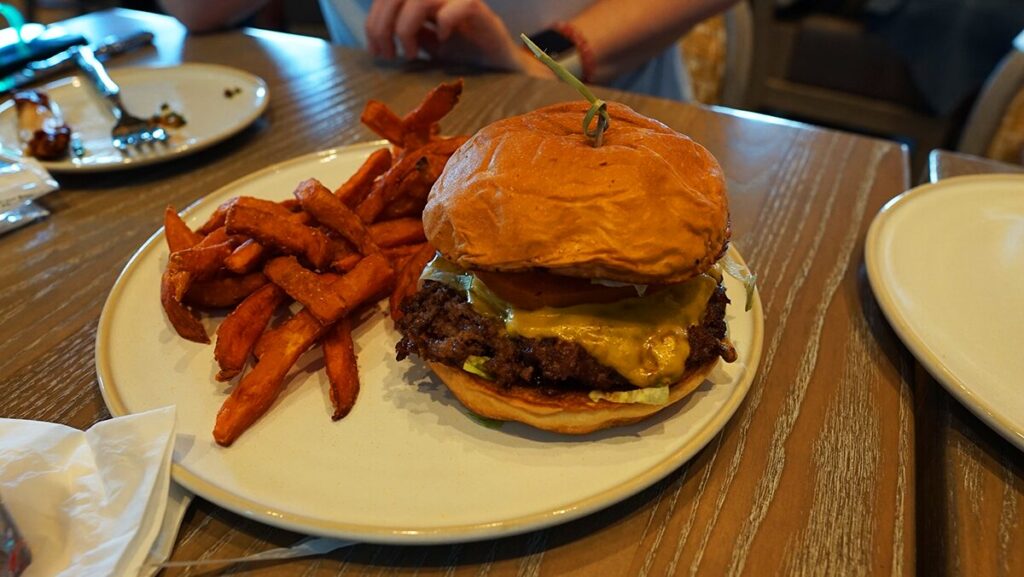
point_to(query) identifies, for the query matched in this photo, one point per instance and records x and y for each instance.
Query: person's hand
(466, 31)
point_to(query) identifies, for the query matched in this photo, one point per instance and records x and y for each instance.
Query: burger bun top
(530, 192)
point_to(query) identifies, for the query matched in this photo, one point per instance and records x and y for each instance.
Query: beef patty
(440, 325)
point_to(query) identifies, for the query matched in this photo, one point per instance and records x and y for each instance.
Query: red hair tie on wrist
(583, 49)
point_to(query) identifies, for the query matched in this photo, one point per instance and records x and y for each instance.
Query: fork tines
(139, 138)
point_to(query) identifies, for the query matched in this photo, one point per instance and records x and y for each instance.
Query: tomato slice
(534, 290)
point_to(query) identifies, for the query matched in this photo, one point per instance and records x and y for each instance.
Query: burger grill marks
(440, 325)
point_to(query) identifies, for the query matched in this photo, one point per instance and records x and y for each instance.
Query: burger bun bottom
(572, 413)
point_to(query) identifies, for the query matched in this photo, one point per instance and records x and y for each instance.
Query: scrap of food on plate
(332, 251)
(167, 117)
(41, 127)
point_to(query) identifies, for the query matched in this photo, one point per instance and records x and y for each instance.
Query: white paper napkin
(22, 179)
(88, 503)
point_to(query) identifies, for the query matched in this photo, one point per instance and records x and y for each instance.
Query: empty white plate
(946, 262)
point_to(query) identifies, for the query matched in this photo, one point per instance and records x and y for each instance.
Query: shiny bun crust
(527, 192)
(570, 413)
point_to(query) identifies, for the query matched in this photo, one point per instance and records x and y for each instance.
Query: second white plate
(216, 101)
(946, 262)
(407, 465)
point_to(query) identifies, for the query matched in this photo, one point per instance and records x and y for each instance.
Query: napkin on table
(101, 502)
(88, 503)
(21, 180)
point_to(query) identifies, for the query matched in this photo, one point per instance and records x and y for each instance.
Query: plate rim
(899, 321)
(412, 535)
(132, 163)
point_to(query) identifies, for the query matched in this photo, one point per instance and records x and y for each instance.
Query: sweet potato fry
(346, 262)
(331, 212)
(408, 278)
(290, 204)
(413, 175)
(260, 387)
(276, 208)
(246, 258)
(216, 236)
(201, 261)
(355, 189)
(328, 296)
(342, 370)
(390, 233)
(183, 268)
(237, 335)
(216, 219)
(371, 279)
(437, 103)
(396, 255)
(179, 236)
(403, 207)
(382, 120)
(313, 290)
(224, 291)
(173, 285)
(399, 184)
(273, 230)
(412, 196)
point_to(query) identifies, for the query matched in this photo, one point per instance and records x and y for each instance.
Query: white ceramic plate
(407, 465)
(946, 262)
(196, 91)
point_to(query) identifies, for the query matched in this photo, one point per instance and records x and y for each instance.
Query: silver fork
(128, 130)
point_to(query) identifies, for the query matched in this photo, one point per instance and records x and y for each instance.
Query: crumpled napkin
(21, 180)
(88, 503)
(101, 502)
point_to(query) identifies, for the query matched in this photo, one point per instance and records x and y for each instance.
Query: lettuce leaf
(742, 274)
(647, 396)
(475, 364)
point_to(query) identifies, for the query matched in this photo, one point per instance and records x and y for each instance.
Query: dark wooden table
(970, 480)
(815, 474)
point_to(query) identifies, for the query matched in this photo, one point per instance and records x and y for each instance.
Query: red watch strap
(586, 54)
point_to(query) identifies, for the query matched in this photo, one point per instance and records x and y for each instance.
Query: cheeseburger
(575, 287)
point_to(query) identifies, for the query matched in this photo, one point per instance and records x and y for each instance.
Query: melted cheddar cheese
(643, 338)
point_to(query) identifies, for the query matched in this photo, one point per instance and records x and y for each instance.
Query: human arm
(449, 30)
(206, 16)
(622, 34)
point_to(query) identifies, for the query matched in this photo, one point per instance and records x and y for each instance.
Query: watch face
(554, 43)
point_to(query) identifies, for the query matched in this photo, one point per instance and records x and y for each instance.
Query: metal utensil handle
(86, 60)
(112, 45)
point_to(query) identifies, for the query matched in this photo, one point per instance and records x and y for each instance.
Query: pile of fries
(333, 252)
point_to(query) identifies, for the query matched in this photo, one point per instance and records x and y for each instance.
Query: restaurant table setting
(802, 456)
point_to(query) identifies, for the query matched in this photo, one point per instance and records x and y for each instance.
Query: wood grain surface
(814, 475)
(970, 480)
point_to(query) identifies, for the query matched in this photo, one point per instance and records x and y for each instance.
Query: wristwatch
(560, 48)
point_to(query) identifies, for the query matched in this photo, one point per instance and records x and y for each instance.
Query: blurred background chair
(718, 54)
(906, 70)
(820, 65)
(995, 126)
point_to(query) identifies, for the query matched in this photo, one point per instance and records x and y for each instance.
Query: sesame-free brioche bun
(530, 192)
(568, 412)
